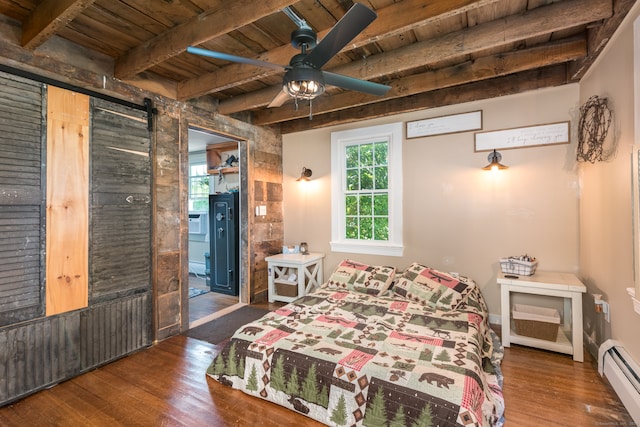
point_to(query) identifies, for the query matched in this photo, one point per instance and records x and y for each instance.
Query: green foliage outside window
(367, 191)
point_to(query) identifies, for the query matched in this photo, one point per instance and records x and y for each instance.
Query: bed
(373, 348)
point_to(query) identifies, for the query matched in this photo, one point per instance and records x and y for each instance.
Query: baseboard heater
(623, 374)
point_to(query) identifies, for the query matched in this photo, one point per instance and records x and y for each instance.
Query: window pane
(381, 178)
(366, 228)
(199, 169)
(366, 155)
(353, 181)
(352, 156)
(381, 204)
(366, 207)
(381, 153)
(351, 231)
(199, 186)
(201, 205)
(351, 205)
(381, 228)
(366, 179)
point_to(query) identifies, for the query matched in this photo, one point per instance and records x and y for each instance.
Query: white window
(198, 187)
(366, 196)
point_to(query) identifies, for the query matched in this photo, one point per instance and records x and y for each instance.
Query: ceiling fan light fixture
(303, 82)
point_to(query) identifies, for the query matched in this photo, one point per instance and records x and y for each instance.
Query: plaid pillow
(368, 279)
(431, 287)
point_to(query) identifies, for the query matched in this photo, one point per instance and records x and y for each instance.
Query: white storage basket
(518, 267)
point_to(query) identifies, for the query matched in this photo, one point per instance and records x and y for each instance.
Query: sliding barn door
(22, 235)
(121, 202)
(92, 157)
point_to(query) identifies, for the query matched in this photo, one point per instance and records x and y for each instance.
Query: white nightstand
(562, 285)
(308, 271)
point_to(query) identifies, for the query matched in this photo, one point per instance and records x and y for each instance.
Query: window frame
(634, 292)
(392, 134)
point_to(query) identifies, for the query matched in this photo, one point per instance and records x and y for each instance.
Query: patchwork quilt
(348, 358)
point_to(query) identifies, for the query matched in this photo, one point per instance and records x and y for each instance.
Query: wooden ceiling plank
(500, 86)
(461, 43)
(48, 18)
(392, 20)
(480, 69)
(203, 27)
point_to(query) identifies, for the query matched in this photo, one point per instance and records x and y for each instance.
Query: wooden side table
(562, 285)
(308, 269)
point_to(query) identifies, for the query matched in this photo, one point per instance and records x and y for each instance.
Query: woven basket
(286, 288)
(536, 322)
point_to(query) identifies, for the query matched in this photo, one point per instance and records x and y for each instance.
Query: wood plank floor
(206, 304)
(166, 385)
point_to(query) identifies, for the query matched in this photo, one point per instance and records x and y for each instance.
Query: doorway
(214, 169)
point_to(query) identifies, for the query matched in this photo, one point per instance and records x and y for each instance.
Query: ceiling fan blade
(234, 58)
(350, 25)
(280, 99)
(352, 83)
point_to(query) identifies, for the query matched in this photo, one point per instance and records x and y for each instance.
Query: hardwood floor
(206, 304)
(166, 385)
(542, 388)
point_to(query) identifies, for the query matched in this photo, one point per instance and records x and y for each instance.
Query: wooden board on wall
(67, 201)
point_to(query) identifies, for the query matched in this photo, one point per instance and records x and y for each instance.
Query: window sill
(636, 301)
(369, 248)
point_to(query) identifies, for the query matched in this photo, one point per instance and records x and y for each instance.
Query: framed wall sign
(531, 136)
(453, 123)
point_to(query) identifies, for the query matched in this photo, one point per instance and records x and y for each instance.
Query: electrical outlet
(607, 313)
(602, 307)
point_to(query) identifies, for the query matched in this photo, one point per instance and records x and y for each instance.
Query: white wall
(458, 217)
(606, 250)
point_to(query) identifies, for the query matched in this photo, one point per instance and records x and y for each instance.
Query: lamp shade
(494, 162)
(305, 175)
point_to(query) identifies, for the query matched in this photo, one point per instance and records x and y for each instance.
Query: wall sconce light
(305, 175)
(494, 162)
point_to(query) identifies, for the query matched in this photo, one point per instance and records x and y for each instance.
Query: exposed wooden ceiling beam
(206, 26)
(555, 17)
(500, 86)
(47, 18)
(392, 20)
(598, 37)
(481, 69)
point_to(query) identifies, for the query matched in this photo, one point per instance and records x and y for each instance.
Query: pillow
(368, 279)
(431, 287)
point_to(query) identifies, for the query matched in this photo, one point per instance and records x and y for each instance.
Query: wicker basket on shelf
(536, 322)
(286, 288)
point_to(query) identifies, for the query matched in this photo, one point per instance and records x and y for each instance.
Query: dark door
(224, 243)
